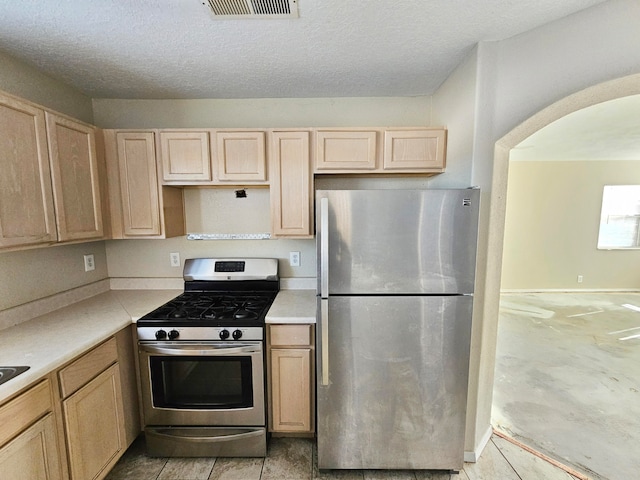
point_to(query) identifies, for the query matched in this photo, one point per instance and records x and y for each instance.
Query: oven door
(203, 383)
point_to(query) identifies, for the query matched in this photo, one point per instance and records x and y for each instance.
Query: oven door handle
(202, 350)
(208, 439)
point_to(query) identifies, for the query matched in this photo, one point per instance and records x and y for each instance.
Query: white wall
(515, 79)
(544, 65)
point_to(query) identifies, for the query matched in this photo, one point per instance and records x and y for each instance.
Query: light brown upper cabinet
(185, 156)
(415, 150)
(26, 198)
(340, 150)
(75, 178)
(240, 156)
(418, 150)
(140, 206)
(290, 186)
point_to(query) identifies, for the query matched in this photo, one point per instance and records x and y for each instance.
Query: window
(620, 217)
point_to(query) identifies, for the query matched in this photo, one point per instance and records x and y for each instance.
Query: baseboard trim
(472, 457)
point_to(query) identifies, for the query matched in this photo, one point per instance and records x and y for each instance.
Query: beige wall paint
(212, 210)
(551, 229)
(454, 106)
(263, 112)
(33, 274)
(18, 78)
(29, 275)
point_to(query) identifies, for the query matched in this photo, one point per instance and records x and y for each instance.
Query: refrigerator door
(397, 382)
(397, 241)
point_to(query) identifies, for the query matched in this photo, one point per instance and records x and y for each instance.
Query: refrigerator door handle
(324, 247)
(324, 347)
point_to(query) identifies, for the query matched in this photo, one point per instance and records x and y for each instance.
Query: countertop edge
(76, 328)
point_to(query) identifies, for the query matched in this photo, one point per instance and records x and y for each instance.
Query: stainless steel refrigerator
(395, 294)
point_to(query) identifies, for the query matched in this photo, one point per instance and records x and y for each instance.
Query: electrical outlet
(174, 259)
(294, 259)
(89, 263)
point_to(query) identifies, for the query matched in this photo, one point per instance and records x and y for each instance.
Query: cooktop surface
(212, 309)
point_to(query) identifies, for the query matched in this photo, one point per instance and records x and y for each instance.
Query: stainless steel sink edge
(8, 373)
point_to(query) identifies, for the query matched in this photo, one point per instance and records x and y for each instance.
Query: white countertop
(293, 306)
(47, 342)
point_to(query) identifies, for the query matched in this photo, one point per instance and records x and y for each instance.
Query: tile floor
(295, 459)
(568, 378)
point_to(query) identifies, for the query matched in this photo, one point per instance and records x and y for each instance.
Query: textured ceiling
(336, 48)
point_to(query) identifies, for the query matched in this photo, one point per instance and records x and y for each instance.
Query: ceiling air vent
(223, 9)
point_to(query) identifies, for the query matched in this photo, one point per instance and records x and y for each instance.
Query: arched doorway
(623, 87)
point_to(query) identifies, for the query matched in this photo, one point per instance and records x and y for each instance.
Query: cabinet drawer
(24, 410)
(290, 335)
(74, 376)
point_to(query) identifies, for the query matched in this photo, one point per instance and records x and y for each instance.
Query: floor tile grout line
(540, 455)
(505, 458)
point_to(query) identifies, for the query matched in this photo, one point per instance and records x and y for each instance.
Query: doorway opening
(560, 385)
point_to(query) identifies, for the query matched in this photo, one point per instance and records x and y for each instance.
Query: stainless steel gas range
(202, 361)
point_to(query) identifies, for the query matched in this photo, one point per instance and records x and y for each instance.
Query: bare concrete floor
(568, 378)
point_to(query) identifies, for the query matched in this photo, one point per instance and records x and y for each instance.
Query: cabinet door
(26, 198)
(415, 150)
(138, 183)
(240, 156)
(95, 426)
(345, 151)
(74, 172)
(33, 454)
(291, 389)
(290, 184)
(185, 156)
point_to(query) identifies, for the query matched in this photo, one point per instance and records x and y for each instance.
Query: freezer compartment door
(396, 241)
(397, 382)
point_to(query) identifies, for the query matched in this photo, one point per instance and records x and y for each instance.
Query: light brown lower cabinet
(77, 421)
(94, 426)
(291, 379)
(33, 453)
(93, 411)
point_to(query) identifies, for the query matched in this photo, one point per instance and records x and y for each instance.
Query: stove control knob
(161, 335)
(173, 334)
(224, 334)
(237, 334)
